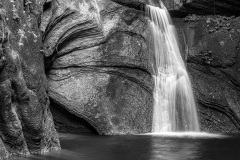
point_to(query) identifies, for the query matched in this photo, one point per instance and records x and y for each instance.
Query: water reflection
(174, 149)
(146, 147)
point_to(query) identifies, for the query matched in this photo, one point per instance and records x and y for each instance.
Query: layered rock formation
(97, 66)
(26, 124)
(99, 70)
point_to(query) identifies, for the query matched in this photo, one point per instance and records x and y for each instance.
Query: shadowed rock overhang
(181, 8)
(203, 7)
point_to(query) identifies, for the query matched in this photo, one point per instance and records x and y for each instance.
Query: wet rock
(211, 44)
(26, 124)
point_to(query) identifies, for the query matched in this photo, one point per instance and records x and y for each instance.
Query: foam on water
(187, 135)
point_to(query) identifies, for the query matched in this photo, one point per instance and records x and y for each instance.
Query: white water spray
(174, 105)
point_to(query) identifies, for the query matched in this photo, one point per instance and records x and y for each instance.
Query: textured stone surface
(212, 47)
(99, 70)
(181, 8)
(4, 154)
(26, 124)
(210, 7)
(97, 64)
(137, 4)
(98, 67)
(66, 122)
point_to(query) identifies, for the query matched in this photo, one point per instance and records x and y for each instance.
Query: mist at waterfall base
(145, 147)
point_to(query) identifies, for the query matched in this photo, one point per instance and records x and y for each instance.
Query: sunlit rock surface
(97, 66)
(26, 124)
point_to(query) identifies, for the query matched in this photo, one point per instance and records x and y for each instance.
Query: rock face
(212, 54)
(99, 70)
(26, 124)
(97, 66)
(95, 55)
(180, 8)
(210, 47)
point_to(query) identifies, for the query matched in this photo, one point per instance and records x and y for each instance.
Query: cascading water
(174, 105)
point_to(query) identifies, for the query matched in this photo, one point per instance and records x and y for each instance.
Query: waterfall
(174, 105)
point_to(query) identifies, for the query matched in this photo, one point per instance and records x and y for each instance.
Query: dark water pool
(145, 147)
